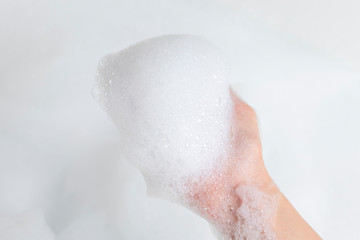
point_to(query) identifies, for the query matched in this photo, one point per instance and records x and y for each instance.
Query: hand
(239, 198)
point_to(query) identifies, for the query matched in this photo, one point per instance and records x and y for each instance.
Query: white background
(61, 172)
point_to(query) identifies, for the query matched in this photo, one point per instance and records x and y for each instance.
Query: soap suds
(169, 97)
(255, 215)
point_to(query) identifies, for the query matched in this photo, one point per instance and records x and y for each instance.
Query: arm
(240, 199)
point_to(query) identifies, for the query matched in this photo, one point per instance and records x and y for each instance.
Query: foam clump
(169, 97)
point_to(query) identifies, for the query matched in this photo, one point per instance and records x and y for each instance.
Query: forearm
(290, 225)
(254, 209)
(265, 213)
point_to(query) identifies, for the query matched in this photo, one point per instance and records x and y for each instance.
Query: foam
(169, 97)
(256, 214)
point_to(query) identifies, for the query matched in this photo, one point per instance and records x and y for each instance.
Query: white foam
(256, 214)
(169, 97)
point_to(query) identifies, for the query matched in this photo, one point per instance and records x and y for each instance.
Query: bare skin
(216, 198)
